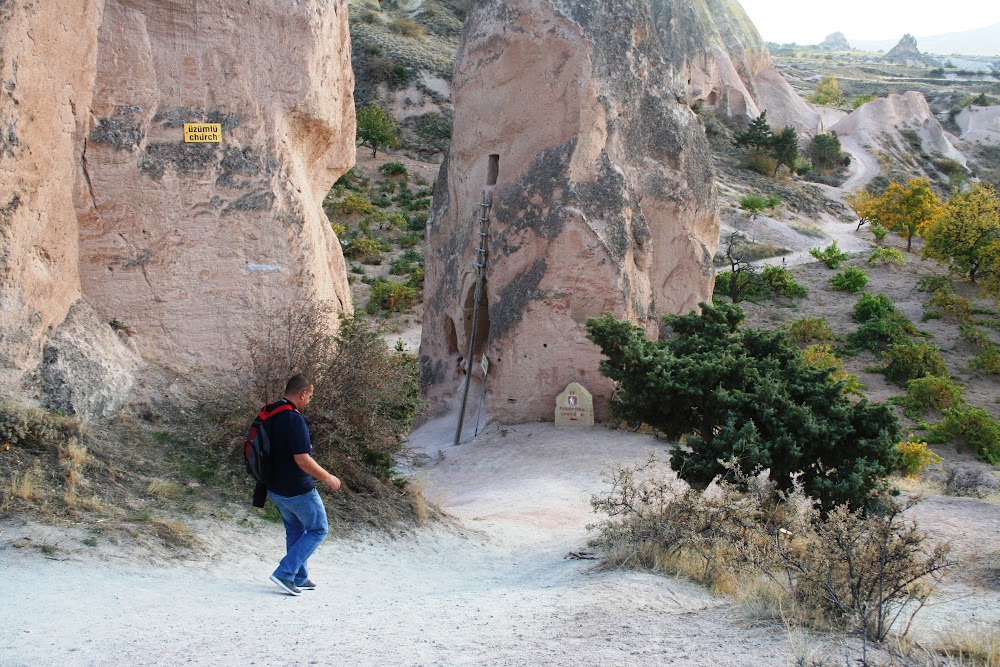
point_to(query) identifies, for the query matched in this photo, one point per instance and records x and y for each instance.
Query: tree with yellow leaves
(908, 208)
(863, 203)
(967, 235)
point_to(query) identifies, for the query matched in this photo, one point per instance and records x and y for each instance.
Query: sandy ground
(494, 587)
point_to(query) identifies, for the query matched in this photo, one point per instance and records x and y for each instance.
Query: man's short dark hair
(297, 384)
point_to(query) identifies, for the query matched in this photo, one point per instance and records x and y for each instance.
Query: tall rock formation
(835, 42)
(725, 65)
(47, 57)
(604, 199)
(104, 202)
(185, 241)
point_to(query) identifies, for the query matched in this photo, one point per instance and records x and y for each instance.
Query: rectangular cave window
(493, 170)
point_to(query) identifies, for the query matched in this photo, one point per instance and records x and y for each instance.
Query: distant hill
(978, 42)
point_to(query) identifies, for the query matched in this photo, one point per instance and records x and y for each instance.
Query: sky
(785, 21)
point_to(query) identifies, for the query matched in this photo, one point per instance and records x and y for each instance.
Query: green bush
(872, 307)
(909, 361)
(393, 296)
(416, 279)
(822, 357)
(353, 203)
(750, 286)
(781, 283)
(946, 301)
(931, 392)
(877, 334)
(831, 256)
(393, 169)
(418, 221)
(746, 395)
(915, 456)
(411, 240)
(988, 361)
(363, 248)
(851, 279)
(979, 431)
(810, 330)
(890, 256)
(879, 232)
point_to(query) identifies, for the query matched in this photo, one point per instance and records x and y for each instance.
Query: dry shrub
(174, 533)
(864, 571)
(366, 398)
(976, 644)
(163, 489)
(76, 454)
(27, 486)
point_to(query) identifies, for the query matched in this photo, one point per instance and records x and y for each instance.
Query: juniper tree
(747, 394)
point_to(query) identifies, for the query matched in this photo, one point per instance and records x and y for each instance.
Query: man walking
(292, 488)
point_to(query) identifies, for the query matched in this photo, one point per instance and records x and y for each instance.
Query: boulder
(87, 370)
(603, 199)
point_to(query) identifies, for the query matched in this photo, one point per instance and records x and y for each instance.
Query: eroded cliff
(183, 245)
(604, 198)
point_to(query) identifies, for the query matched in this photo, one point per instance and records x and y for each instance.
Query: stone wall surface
(188, 243)
(604, 198)
(185, 244)
(47, 67)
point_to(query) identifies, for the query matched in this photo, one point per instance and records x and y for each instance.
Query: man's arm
(309, 466)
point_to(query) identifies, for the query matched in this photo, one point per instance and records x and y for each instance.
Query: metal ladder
(482, 252)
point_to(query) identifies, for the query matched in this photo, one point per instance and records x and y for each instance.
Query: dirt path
(496, 589)
(864, 165)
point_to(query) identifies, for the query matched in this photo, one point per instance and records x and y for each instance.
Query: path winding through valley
(496, 588)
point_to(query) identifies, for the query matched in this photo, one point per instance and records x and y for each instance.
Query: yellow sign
(201, 133)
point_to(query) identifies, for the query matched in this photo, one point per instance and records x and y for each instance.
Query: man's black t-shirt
(289, 435)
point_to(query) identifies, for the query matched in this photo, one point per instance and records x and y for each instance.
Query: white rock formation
(604, 199)
(186, 244)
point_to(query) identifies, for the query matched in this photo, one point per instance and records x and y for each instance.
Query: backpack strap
(266, 414)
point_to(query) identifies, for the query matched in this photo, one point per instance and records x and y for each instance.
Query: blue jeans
(305, 528)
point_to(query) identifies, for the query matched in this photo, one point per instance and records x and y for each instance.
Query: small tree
(754, 204)
(747, 395)
(967, 235)
(864, 205)
(828, 93)
(377, 128)
(784, 148)
(758, 134)
(825, 152)
(909, 208)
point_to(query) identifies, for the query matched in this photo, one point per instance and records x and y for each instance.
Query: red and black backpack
(257, 446)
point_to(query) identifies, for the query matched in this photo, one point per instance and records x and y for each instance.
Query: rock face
(724, 63)
(604, 199)
(86, 369)
(881, 124)
(835, 42)
(185, 243)
(980, 125)
(905, 51)
(48, 58)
